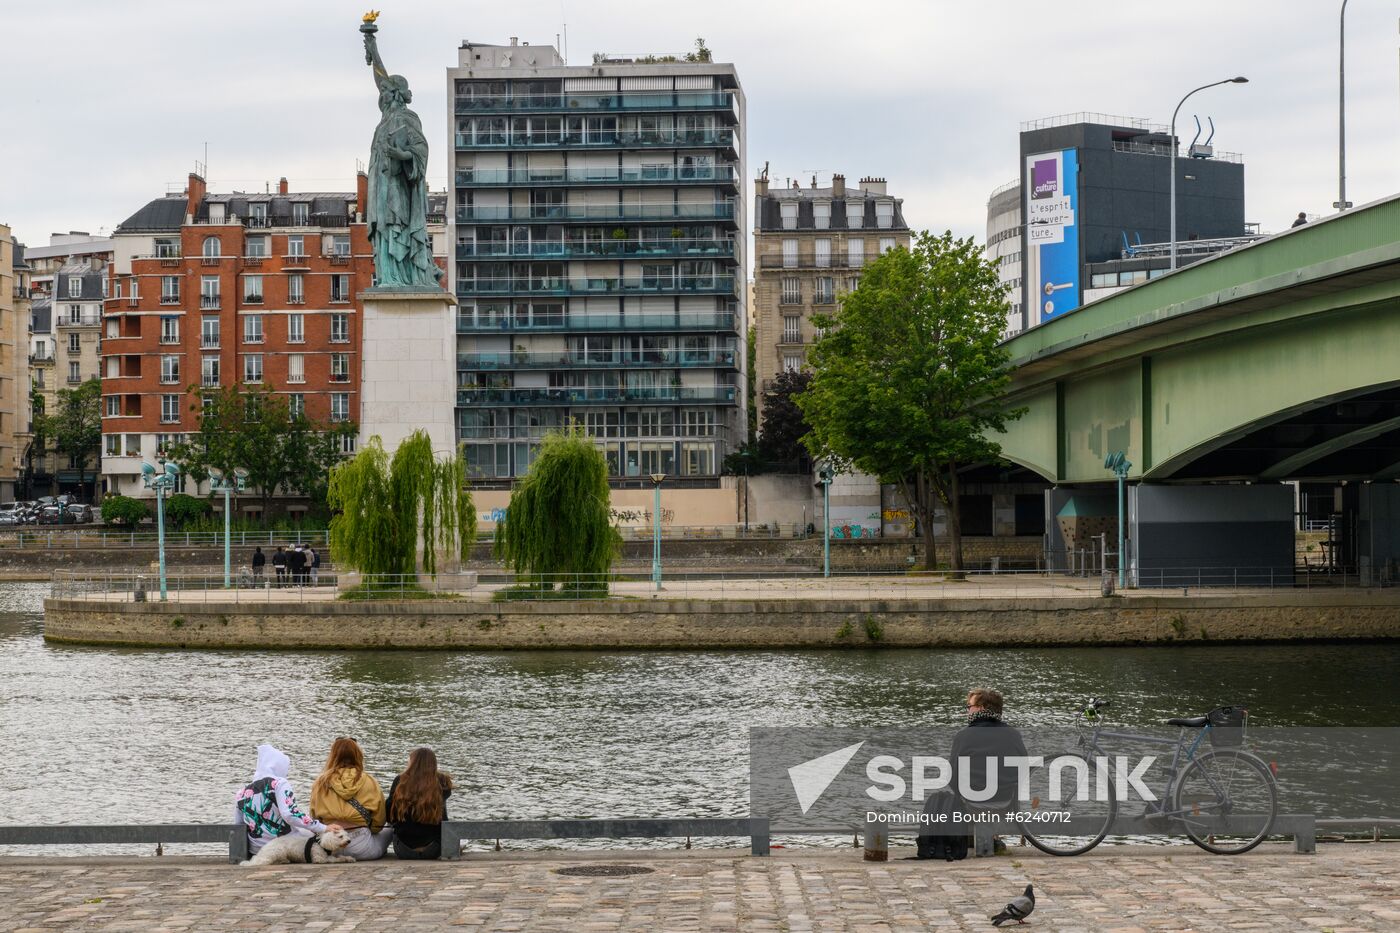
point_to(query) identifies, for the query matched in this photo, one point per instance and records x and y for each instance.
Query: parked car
(82, 514)
(53, 515)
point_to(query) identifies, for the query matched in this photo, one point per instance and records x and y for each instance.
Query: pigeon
(1018, 909)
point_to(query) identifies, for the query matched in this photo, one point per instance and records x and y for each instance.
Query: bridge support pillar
(1212, 535)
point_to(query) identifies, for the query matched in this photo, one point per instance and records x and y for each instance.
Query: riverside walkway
(1342, 889)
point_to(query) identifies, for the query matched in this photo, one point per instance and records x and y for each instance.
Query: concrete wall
(813, 623)
(1234, 526)
(1378, 532)
(632, 507)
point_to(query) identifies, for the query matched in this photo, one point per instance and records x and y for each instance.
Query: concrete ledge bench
(232, 835)
(1301, 827)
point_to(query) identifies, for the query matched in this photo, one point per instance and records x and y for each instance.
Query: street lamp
(824, 476)
(1172, 211)
(162, 480)
(219, 481)
(1119, 464)
(656, 481)
(1342, 202)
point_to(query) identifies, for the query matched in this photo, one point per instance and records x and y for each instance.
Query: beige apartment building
(810, 245)
(14, 366)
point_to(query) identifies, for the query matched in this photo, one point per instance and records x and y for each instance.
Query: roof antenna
(564, 18)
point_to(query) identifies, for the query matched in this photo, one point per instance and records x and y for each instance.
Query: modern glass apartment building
(598, 258)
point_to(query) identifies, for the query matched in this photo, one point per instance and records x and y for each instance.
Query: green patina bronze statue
(398, 190)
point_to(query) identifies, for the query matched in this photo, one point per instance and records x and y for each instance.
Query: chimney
(873, 185)
(514, 40)
(194, 194)
(814, 183)
(282, 185)
(838, 186)
(760, 186)
(361, 193)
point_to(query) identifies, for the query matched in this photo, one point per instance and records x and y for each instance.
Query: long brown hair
(345, 753)
(419, 796)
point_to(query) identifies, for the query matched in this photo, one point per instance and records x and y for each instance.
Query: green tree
(123, 510)
(75, 426)
(558, 525)
(784, 426)
(909, 381)
(182, 509)
(387, 509)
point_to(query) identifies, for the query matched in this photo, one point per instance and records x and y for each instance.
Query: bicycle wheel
(1060, 818)
(1227, 800)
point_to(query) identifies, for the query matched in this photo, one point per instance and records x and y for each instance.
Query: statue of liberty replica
(397, 212)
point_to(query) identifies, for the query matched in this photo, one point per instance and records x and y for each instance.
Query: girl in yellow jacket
(345, 796)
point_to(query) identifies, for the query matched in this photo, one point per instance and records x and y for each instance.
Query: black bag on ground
(945, 839)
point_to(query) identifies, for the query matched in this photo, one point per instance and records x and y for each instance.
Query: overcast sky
(109, 103)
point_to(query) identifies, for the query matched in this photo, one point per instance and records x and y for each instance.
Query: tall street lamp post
(656, 480)
(1342, 202)
(825, 476)
(162, 480)
(1172, 195)
(219, 481)
(1119, 464)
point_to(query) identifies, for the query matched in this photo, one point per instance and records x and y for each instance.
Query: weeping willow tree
(386, 510)
(558, 526)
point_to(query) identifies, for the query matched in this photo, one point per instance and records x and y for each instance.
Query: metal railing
(667, 174)
(812, 261)
(602, 322)
(490, 138)
(623, 102)
(691, 284)
(596, 359)
(67, 536)
(602, 248)
(594, 395)
(596, 212)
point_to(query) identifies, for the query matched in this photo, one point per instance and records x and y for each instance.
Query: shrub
(181, 509)
(123, 510)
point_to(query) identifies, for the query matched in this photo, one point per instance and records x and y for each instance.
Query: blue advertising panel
(1052, 235)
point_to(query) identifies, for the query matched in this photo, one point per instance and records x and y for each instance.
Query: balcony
(668, 285)
(165, 339)
(582, 323)
(658, 175)
(596, 212)
(296, 299)
(340, 377)
(811, 261)
(209, 302)
(559, 140)
(340, 259)
(614, 103)
(253, 262)
(209, 382)
(212, 260)
(595, 396)
(640, 249)
(668, 359)
(208, 343)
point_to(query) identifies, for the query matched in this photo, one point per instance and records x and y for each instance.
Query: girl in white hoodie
(267, 806)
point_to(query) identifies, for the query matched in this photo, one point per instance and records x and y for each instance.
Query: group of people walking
(345, 795)
(298, 565)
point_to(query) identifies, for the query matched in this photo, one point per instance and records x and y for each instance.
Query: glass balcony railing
(618, 103)
(512, 139)
(659, 174)
(647, 285)
(641, 249)
(559, 213)
(579, 323)
(595, 396)
(651, 359)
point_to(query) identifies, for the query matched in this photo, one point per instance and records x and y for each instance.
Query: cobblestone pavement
(1341, 888)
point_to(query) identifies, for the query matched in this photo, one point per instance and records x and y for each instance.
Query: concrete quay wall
(730, 624)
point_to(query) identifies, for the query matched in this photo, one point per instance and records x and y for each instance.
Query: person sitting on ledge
(345, 796)
(418, 805)
(267, 806)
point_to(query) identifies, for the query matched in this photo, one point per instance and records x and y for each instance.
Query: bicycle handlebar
(1092, 710)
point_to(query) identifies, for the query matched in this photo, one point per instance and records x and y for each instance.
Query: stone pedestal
(408, 380)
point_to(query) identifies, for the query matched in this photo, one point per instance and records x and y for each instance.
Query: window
(257, 213)
(252, 328)
(75, 314)
(855, 253)
(296, 328)
(826, 290)
(340, 406)
(167, 248)
(296, 245)
(340, 244)
(252, 368)
(75, 286)
(296, 289)
(75, 343)
(792, 329)
(789, 254)
(1103, 280)
(209, 371)
(113, 328)
(296, 367)
(789, 213)
(169, 329)
(113, 405)
(169, 409)
(296, 405)
(114, 366)
(209, 292)
(792, 291)
(211, 248)
(252, 289)
(73, 373)
(792, 362)
(821, 215)
(697, 459)
(256, 246)
(698, 423)
(884, 214)
(340, 367)
(855, 214)
(104, 287)
(340, 328)
(169, 368)
(340, 288)
(823, 257)
(301, 216)
(209, 333)
(112, 445)
(169, 289)
(886, 244)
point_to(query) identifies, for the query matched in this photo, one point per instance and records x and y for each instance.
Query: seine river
(127, 735)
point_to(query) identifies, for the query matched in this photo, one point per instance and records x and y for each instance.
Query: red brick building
(212, 290)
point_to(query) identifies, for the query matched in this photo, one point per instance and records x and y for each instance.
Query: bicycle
(1224, 798)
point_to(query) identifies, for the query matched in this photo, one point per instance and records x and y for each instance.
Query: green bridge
(1276, 361)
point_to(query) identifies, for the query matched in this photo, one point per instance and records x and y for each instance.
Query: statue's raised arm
(368, 28)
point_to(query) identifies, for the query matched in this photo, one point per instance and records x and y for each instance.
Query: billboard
(1051, 183)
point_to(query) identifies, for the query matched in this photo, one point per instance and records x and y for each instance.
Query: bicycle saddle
(1191, 722)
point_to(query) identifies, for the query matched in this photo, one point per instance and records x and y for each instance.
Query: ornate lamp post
(1172, 195)
(219, 481)
(162, 480)
(1119, 464)
(824, 476)
(656, 480)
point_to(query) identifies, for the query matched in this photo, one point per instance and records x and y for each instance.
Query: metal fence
(103, 537)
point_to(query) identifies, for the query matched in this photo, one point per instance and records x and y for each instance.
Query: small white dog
(296, 849)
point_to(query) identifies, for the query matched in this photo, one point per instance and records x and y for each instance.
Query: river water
(133, 735)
